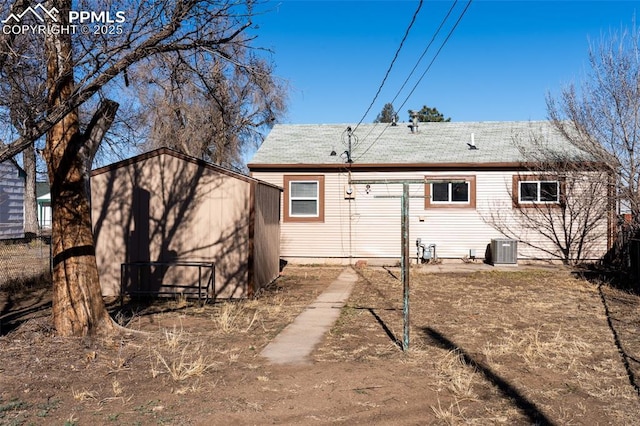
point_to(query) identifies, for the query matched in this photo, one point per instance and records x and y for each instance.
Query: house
(342, 188)
(167, 216)
(12, 184)
(43, 198)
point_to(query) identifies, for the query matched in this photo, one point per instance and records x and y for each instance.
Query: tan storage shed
(167, 216)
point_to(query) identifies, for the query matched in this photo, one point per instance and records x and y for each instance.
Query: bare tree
(602, 116)
(81, 72)
(561, 203)
(150, 29)
(23, 99)
(207, 106)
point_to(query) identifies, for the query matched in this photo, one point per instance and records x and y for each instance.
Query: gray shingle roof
(42, 188)
(497, 142)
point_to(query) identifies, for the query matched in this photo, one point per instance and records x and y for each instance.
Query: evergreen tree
(387, 114)
(427, 114)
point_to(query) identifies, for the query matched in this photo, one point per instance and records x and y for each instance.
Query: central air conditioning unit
(504, 251)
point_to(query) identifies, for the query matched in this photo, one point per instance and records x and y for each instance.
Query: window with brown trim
(533, 190)
(304, 198)
(450, 192)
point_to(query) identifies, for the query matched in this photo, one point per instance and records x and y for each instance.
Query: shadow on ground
(533, 412)
(23, 300)
(627, 283)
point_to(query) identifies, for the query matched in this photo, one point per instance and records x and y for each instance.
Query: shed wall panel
(266, 235)
(163, 208)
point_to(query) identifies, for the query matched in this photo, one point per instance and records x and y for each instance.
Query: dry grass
(486, 348)
(451, 415)
(83, 395)
(179, 357)
(485, 339)
(235, 317)
(116, 388)
(178, 353)
(455, 375)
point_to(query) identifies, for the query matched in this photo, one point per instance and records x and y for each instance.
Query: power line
(415, 86)
(422, 76)
(406, 34)
(424, 52)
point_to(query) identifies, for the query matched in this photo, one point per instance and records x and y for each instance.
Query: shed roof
(433, 143)
(184, 157)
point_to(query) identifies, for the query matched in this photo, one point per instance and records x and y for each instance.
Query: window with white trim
(304, 198)
(541, 191)
(450, 192)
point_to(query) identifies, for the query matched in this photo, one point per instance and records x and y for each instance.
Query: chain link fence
(24, 259)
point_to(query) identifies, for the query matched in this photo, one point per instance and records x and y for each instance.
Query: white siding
(369, 225)
(11, 201)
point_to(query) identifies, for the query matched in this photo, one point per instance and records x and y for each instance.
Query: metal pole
(349, 148)
(404, 263)
(404, 257)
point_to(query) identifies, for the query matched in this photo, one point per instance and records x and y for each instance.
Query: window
(450, 191)
(304, 198)
(539, 192)
(532, 190)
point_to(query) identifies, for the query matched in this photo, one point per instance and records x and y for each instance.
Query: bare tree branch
(565, 216)
(602, 117)
(156, 43)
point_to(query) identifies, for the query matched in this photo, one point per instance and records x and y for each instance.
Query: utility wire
(415, 86)
(421, 77)
(406, 34)
(424, 52)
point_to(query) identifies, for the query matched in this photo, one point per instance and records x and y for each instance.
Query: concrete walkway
(295, 343)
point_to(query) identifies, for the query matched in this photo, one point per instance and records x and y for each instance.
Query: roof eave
(386, 167)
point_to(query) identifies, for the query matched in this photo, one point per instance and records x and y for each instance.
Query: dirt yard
(520, 347)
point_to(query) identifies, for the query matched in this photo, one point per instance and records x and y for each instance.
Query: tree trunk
(30, 197)
(78, 308)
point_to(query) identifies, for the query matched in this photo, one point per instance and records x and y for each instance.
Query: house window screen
(440, 192)
(304, 199)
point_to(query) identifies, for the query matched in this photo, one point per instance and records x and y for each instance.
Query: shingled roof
(433, 143)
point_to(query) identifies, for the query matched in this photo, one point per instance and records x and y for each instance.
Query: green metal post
(404, 252)
(404, 264)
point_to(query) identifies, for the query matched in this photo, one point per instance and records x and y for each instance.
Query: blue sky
(498, 65)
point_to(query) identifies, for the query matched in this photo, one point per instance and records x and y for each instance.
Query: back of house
(470, 185)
